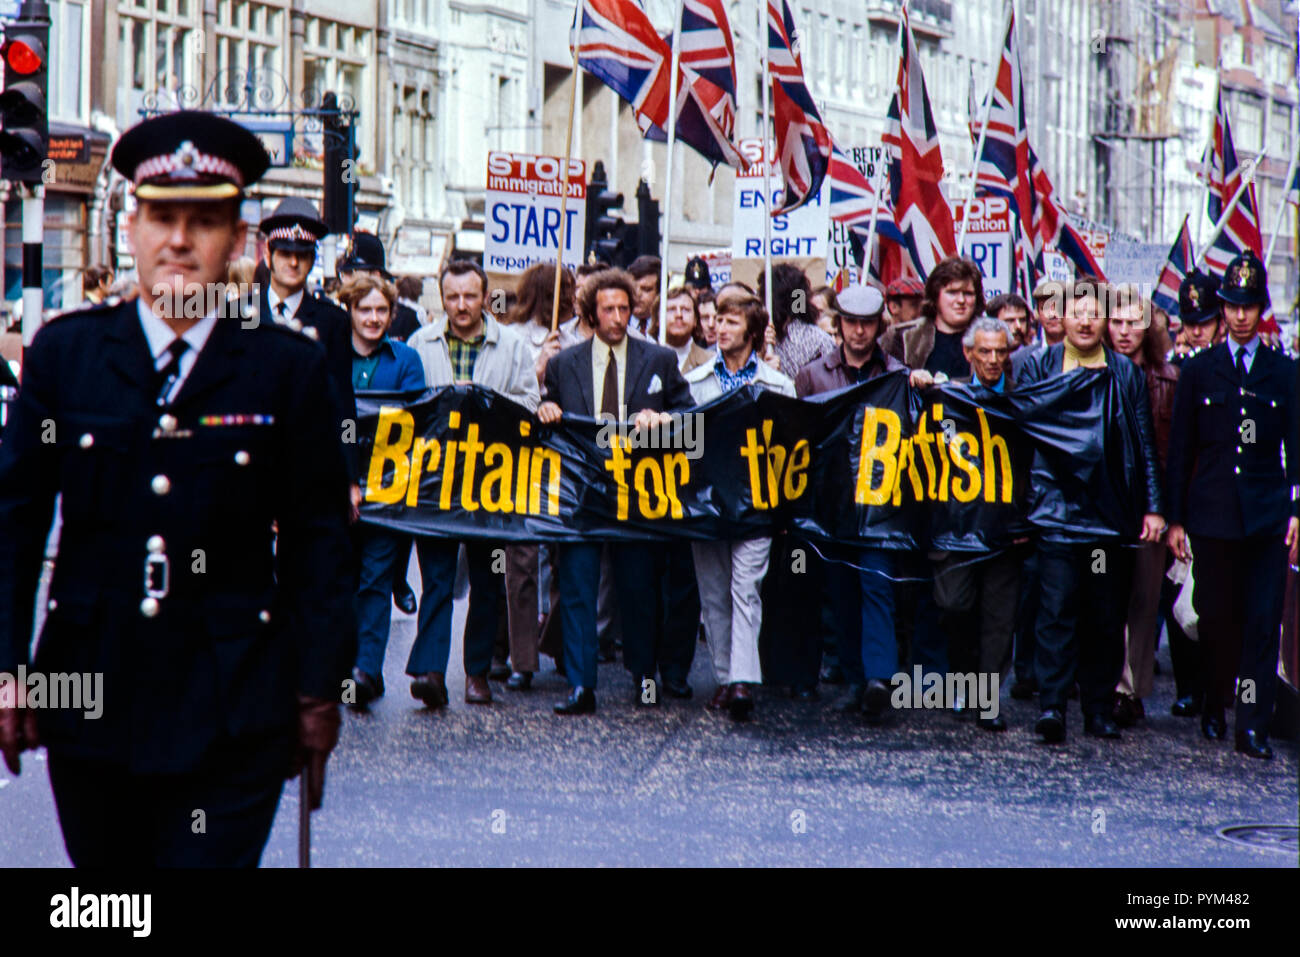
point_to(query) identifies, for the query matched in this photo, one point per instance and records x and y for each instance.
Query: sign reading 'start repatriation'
(522, 213)
(800, 234)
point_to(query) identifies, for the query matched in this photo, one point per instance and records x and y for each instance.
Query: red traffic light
(24, 55)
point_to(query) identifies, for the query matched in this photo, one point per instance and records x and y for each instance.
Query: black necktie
(166, 377)
(282, 308)
(609, 394)
(1241, 364)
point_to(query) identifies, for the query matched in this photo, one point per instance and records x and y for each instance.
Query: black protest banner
(955, 467)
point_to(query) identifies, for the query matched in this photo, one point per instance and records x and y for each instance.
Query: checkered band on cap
(294, 233)
(190, 163)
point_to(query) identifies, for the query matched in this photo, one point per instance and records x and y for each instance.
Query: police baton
(304, 821)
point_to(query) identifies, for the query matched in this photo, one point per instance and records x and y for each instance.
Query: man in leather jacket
(1085, 580)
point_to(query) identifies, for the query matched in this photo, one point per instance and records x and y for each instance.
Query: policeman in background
(1230, 496)
(1198, 308)
(178, 435)
(292, 232)
(365, 253)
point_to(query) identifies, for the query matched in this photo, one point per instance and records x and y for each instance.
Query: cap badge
(1244, 275)
(1194, 296)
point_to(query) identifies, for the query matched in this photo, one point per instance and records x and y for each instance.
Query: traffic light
(605, 231)
(24, 122)
(339, 178)
(648, 238)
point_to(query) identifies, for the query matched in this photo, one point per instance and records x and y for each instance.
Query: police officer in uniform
(1198, 308)
(1199, 311)
(178, 435)
(292, 233)
(365, 253)
(1235, 507)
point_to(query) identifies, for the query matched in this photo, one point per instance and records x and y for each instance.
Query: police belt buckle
(157, 576)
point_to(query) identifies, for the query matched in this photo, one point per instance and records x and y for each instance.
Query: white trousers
(730, 574)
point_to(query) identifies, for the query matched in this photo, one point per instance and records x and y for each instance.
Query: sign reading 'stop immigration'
(988, 239)
(523, 211)
(800, 234)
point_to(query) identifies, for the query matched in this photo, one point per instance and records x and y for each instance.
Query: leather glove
(17, 726)
(318, 733)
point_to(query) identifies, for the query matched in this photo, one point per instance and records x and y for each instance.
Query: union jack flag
(803, 144)
(1051, 226)
(1225, 176)
(619, 45)
(853, 197)
(1002, 166)
(911, 140)
(1174, 272)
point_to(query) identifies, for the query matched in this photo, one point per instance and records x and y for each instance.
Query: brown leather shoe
(741, 703)
(430, 688)
(720, 698)
(477, 690)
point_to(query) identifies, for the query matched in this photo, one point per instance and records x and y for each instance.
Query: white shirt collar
(291, 301)
(1249, 346)
(160, 335)
(683, 351)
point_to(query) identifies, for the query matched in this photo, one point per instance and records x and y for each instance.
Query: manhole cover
(1268, 837)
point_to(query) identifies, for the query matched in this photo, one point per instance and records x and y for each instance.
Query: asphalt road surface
(513, 784)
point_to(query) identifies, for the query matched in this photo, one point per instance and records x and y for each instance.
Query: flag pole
(1286, 186)
(564, 195)
(668, 176)
(763, 42)
(1247, 178)
(984, 128)
(871, 227)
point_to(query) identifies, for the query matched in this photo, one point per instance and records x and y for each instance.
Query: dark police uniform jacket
(1221, 486)
(334, 333)
(246, 620)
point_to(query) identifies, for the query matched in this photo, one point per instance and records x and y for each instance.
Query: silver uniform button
(242, 457)
(167, 423)
(86, 440)
(155, 545)
(1239, 450)
(149, 607)
(52, 604)
(264, 616)
(161, 485)
(1237, 469)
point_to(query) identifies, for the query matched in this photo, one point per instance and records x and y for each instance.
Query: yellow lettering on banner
(751, 450)
(618, 464)
(469, 450)
(677, 472)
(775, 464)
(922, 440)
(994, 444)
(795, 481)
(659, 509)
(423, 448)
(873, 451)
(550, 460)
(941, 447)
(448, 477)
(907, 467)
(497, 478)
(961, 442)
(386, 450)
(521, 481)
